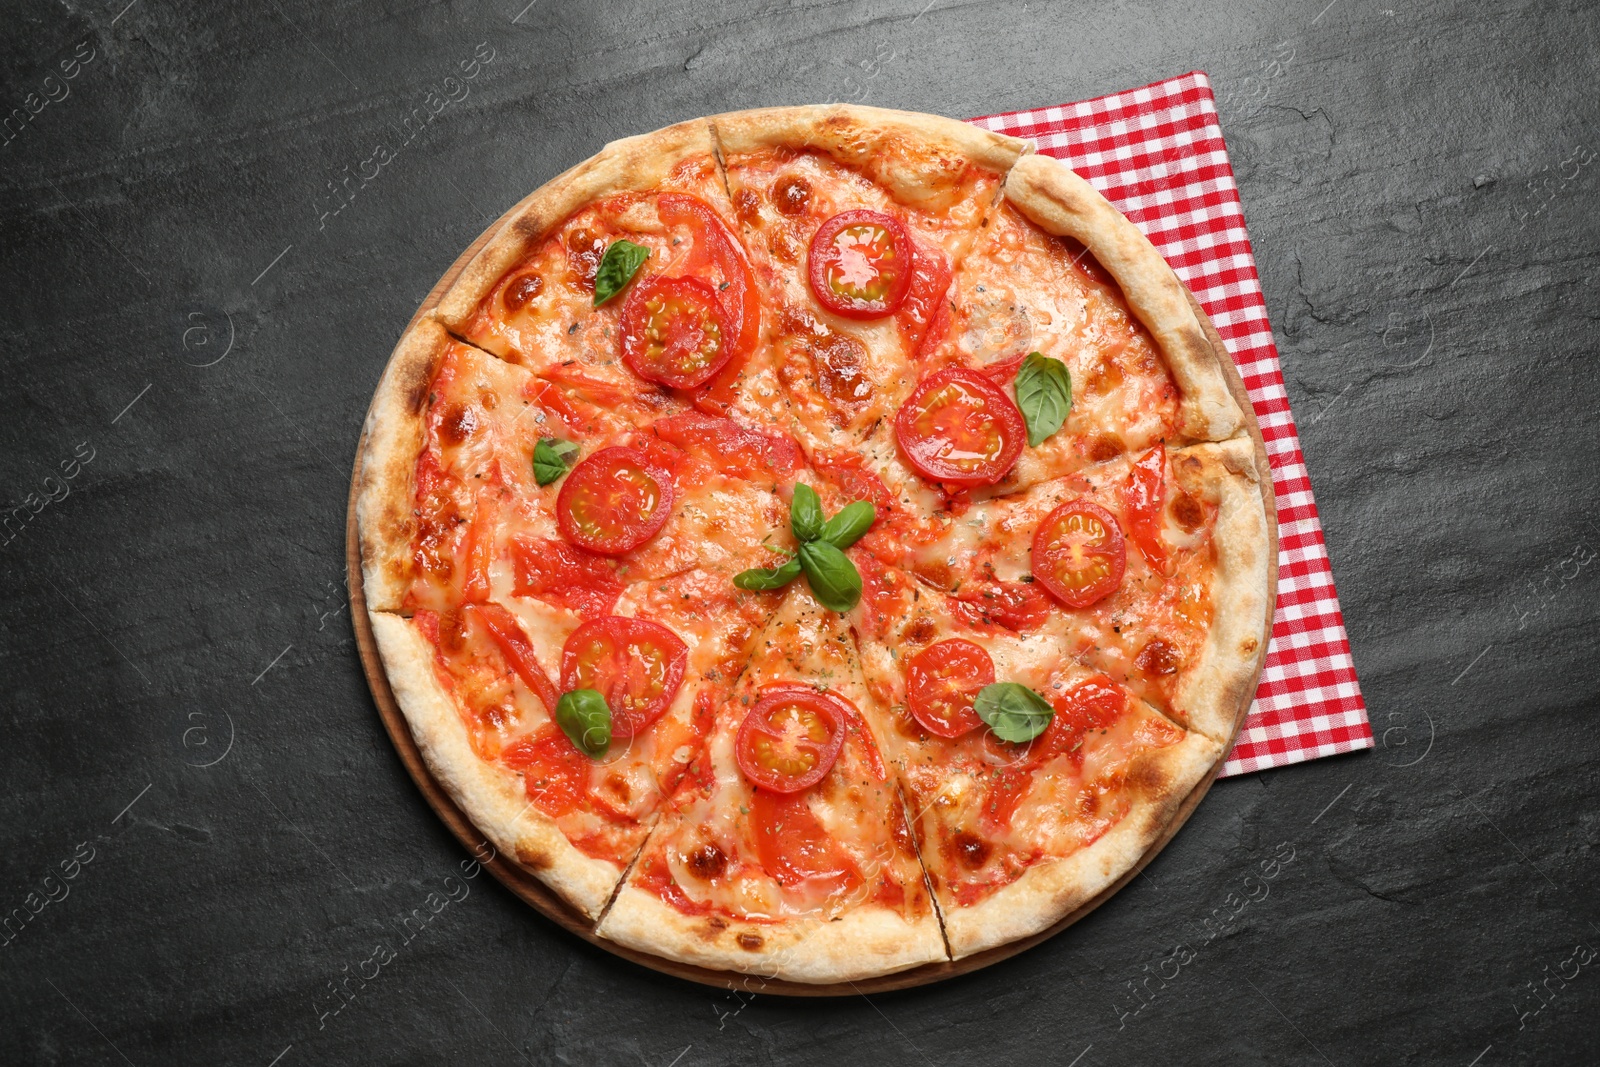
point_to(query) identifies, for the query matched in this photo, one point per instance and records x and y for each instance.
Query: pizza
(817, 542)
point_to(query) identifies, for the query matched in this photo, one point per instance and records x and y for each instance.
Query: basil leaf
(759, 579)
(834, 580)
(1014, 712)
(583, 716)
(617, 268)
(1044, 393)
(805, 513)
(552, 457)
(847, 526)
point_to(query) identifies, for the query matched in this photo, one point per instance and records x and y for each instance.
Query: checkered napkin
(1157, 154)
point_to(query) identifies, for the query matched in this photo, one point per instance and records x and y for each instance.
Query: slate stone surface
(195, 316)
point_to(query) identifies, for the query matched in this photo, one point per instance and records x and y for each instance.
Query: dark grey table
(204, 825)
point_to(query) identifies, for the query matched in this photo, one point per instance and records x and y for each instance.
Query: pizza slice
(490, 608)
(1151, 567)
(785, 851)
(1034, 782)
(855, 219)
(1186, 626)
(1058, 271)
(452, 443)
(624, 277)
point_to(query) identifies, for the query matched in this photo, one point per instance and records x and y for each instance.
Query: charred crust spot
(1103, 447)
(750, 942)
(1188, 512)
(1148, 778)
(1249, 645)
(707, 862)
(535, 859)
(747, 205)
(1158, 657)
(457, 424)
(522, 289)
(452, 631)
(584, 251)
(528, 227)
(791, 195)
(970, 849)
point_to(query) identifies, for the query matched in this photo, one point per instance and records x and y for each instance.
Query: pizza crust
(917, 157)
(632, 164)
(1216, 694)
(1049, 892)
(862, 943)
(1057, 200)
(491, 798)
(385, 516)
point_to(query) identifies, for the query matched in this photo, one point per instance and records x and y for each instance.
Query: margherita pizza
(817, 542)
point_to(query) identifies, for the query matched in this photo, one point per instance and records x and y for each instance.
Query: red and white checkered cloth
(1157, 154)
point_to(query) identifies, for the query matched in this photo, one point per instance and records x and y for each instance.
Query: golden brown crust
(1216, 693)
(1054, 198)
(632, 164)
(491, 797)
(1051, 890)
(917, 157)
(864, 942)
(393, 440)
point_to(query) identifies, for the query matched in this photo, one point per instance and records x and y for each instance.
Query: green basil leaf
(583, 716)
(552, 457)
(805, 513)
(847, 526)
(1044, 393)
(617, 268)
(834, 580)
(760, 579)
(1014, 712)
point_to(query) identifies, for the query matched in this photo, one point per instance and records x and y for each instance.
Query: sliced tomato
(1143, 498)
(1079, 554)
(1091, 705)
(555, 774)
(1007, 787)
(569, 577)
(790, 739)
(959, 428)
(942, 681)
(675, 332)
(1014, 605)
(793, 846)
(846, 469)
(925, 316)
(861, 264)
(1002, 371)
(719, 394)
(636, 664)
(729, 447)
(479, 549)
(518, 652)
(614, 500)
(719, 258)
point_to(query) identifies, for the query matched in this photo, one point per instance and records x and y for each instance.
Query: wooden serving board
(530, 889)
